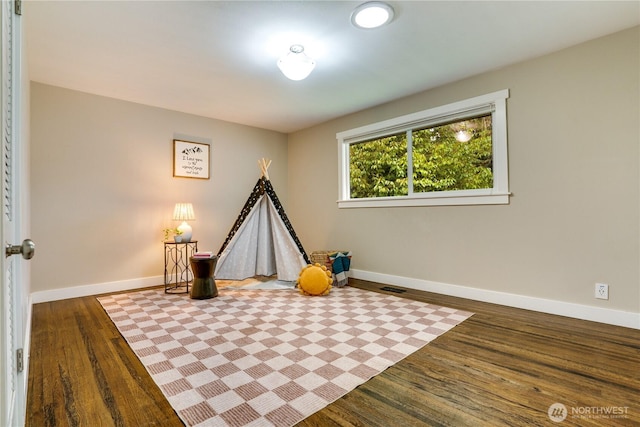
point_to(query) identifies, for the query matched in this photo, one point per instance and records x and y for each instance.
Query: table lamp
(184, 212)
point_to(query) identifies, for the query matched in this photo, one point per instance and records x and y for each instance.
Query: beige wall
(102, 187)
(573, 220)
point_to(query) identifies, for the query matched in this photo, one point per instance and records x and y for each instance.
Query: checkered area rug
(264, 357)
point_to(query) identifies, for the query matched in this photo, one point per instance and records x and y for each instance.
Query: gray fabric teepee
(262, 241)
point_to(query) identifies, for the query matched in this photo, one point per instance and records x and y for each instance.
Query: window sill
(452, 200)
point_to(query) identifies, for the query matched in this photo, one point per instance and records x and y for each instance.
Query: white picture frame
(190, 159)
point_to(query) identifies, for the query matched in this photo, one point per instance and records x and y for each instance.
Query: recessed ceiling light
(372, 14)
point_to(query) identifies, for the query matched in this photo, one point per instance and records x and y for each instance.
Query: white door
(13, 295)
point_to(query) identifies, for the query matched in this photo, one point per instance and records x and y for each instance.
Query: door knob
(27, 249)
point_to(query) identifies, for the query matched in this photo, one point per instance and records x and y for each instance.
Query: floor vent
(391, 289)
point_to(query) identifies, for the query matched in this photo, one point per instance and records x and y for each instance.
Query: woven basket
(322, 258)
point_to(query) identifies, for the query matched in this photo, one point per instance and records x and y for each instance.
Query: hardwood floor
(502, 367)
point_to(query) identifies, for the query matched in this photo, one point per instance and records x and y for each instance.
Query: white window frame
(493, 102)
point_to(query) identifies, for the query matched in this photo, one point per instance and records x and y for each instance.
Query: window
(450, 155)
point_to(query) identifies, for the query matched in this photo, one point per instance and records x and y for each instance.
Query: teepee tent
(262, 241)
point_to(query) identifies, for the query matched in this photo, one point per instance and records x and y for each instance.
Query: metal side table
(177, 271)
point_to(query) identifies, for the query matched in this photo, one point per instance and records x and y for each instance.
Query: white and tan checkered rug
(265, 357)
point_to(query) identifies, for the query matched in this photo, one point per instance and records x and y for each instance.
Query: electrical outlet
(602, 291)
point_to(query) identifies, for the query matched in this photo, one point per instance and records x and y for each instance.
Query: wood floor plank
(501, 367)
(82, 372)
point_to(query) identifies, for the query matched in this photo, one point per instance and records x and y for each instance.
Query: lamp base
(186, 231)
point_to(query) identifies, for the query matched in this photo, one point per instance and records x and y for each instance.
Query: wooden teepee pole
(264, 166)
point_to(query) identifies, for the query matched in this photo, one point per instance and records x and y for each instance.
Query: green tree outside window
(449, 157)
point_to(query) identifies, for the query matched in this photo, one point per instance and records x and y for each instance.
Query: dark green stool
(204, 286)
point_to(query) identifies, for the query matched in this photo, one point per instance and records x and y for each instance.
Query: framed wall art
(190, 159)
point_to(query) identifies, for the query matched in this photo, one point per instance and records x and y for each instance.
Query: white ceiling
(218, 58)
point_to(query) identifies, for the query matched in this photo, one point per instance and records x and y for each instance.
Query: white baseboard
(585, 312)
(96, 289)
(577, 311)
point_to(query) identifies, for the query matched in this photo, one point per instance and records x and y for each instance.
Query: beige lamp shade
(184, 212)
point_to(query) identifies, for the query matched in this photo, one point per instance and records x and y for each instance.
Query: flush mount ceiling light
(372, 14)
(296, 65)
